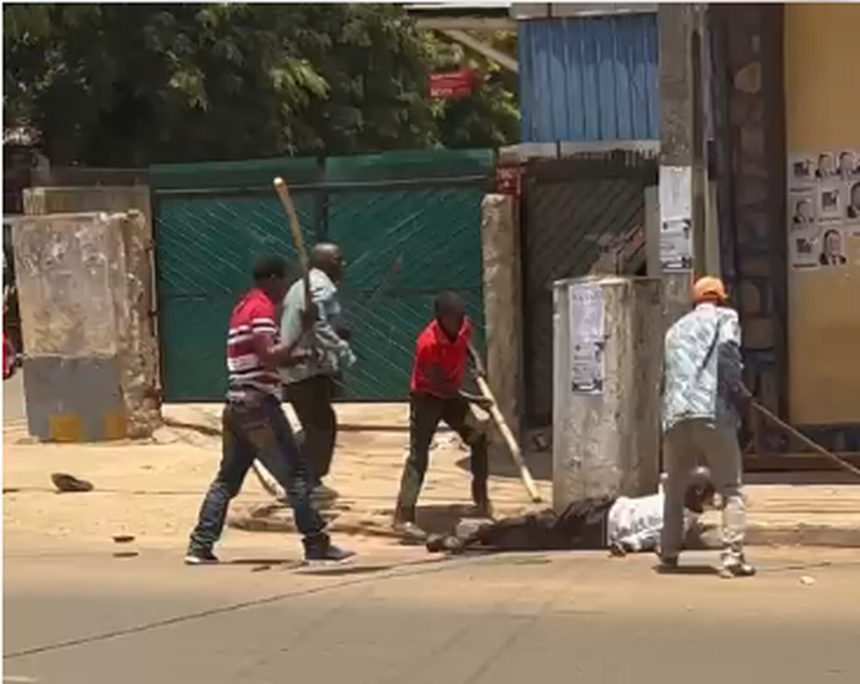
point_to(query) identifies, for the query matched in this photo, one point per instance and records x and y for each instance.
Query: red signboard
(451, 84)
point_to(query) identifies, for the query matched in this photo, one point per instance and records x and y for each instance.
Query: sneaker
(322, 550)
(616, 550)
(409, 532)
(736, 566)
(200, 557)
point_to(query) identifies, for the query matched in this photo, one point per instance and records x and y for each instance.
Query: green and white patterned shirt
(702, 366)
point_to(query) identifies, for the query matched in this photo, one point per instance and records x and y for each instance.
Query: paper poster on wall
(586, 338)
(676, 245)
(852, 202)
(676, 212)
(676, 184)
(803, 229)
(823, 207)
(830, 203)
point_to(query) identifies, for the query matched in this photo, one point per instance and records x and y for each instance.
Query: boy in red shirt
(437, 379)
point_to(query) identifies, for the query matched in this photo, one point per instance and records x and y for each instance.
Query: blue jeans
(256, 429)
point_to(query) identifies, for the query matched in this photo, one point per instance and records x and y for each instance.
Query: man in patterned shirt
(703, 391)
(253, 423)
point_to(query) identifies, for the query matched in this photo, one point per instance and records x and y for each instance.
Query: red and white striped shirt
(253, 315)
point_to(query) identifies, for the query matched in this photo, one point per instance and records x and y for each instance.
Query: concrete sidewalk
(152, 490)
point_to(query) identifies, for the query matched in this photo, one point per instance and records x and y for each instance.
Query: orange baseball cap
(709, 289)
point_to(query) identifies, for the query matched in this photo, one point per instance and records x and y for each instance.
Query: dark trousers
(425, 412)
(256, 429)
(311, 400)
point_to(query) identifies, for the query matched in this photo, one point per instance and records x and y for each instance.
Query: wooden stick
(295, 226)
(507, 435)
(842, 463)
(267, 480)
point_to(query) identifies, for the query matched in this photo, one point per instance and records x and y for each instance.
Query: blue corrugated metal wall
(589, 78)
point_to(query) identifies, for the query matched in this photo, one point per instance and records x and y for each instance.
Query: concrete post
(139, 353)
(500, 242)
(681, 168)
(606, 403)
(72, 282)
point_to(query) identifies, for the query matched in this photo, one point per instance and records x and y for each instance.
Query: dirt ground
(152, 490)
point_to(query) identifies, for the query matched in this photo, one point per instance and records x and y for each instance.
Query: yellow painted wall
(822, 99)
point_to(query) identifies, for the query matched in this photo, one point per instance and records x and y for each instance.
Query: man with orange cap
(703, 392)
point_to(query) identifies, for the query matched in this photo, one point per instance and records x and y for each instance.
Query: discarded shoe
(69, 483)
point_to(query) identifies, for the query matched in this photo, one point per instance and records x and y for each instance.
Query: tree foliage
(126, 85)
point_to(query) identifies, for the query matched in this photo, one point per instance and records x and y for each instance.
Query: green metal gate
(421, 209)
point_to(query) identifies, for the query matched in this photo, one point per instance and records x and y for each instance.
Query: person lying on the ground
(622, 524)
(437, 395)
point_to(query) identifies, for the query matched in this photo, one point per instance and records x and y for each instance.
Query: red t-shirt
(434, 348)
(253, 315)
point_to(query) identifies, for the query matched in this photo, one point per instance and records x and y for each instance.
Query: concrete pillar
(681, 167)
(606, 393)
(72, 283)
(140, 377)
(500, 241)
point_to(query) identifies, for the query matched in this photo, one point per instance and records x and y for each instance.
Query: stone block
(67, 267)
(74, 399)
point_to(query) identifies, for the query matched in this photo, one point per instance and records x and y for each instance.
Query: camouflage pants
(701, 442)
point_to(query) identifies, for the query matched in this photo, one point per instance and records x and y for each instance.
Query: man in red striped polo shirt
(253, 423)
(437, 395)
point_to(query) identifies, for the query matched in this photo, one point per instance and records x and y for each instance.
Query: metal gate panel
(574, 209)
(213, 220)
(433, 233)
(205, 246)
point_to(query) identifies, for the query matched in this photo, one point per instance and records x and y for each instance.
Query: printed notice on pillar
(676, 212)
(587, 338)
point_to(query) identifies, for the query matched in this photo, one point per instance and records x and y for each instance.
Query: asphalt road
(90, 618)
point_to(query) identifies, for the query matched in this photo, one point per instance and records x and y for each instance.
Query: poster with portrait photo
(804, 251)
(830, 203)
(801, 171)
(802, 210)
(825, 166)
(848, 165)
(851, 202)
(831, 253)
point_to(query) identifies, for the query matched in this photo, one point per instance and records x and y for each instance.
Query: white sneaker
(736, 566)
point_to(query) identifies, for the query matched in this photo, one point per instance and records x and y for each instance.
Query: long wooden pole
(507, 435)
(267, 480)
(842, 463)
